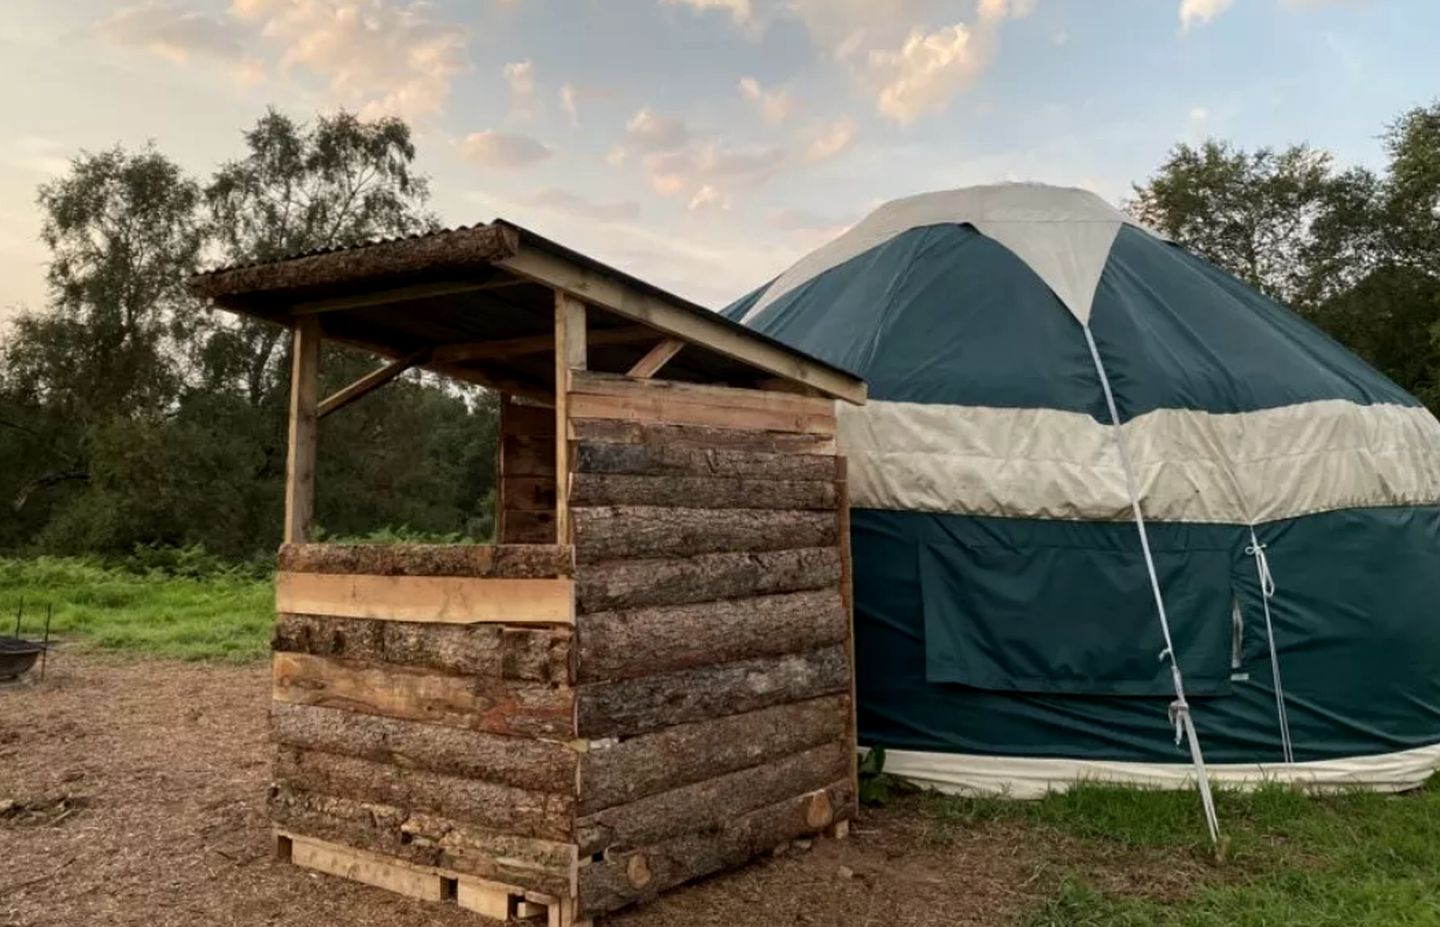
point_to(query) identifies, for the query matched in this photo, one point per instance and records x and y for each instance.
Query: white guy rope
(1180, 708)
(1267, 592)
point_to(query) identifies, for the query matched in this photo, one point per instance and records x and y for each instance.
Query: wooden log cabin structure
(648, 678)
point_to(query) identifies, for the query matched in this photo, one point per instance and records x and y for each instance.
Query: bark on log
(644, 873)
(524, 763)
(634, 531)
(427, 840)
(635, 706)
(494, 651)
(642, 642)
(703, 437)
(668, 459)
(709, 804)
(639, 766)
(503, 808)
(705, 578)
(509, 561)
(704, 492)
(497, 706)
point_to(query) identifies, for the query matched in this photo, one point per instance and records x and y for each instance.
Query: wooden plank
(708, 804)
(529, 527)
(497, 706)
(663, 458)
(359, 866)
(621, 584)
(450, 599)
(495, 651)
(642, 642)
(530, 493)
(512, 561)
(535, 344)
(693, 326)
(700, 437)
(656, 358)
(528, 420)
(300, 457)
(490, 805)
(529, 455)
(701, 492)
(570, 360)
(642, 873)
(636, 706)
(524, 763)
(624, 771)
(417, 291)
(595, 383)
(368, 383)
(625, 532)
(419, 839)
(606, 396)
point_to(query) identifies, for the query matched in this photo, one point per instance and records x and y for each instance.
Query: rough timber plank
(525, 420)
(527, 455)
(529, 527)
(304, 416)
(496, 706)
(637, 583)
(641, 874)
(500, 561)
(428, 840)
(496, 651)
(633, 531)
(636, 706)
(521, 762)
(642, 642)
(636, 767)
(703, 438)
(706, 492)
(664, 459)
(369, 868)
(709, 804)
(671, 410)
(451, 599)
(521, 812)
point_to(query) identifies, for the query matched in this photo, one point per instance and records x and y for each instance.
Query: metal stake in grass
(45, 642)
(19, 610)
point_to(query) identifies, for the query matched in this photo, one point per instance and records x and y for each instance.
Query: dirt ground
(134, 793)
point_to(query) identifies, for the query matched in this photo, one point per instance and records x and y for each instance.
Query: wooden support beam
(300, 459)
(534, 344)
(699, 328)
(657, 357)
(400, 294)
(570, 356)
(370, 382)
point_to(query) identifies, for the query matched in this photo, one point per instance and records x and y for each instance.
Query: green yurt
(1117, 515)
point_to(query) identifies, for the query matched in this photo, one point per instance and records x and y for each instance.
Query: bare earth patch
(134, 793)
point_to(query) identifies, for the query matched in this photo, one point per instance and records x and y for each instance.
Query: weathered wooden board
(637, 583)
(645, 641)
(453, 599)
(529, 455)
(633, 768)
(636, 706)
(510, 561)
(593, 383)
(530, 493)
(503, 808)
(521, 762)
(527, 420)
(641, 874)
(636, 531)
(680, 411)
(704, 492)
(665, 459)
(427, 840)
(496, 651)
(372, 869)
(498, 706)
(709, 804)
(699, 437)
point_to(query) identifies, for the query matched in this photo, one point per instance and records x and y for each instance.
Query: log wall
(711, 633)
(525, 499)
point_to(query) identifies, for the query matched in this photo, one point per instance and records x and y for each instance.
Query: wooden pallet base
(492, 899)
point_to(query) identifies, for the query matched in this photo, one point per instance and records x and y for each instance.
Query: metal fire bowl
(17, 656)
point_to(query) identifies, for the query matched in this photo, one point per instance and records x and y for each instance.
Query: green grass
(225, 617)
(1343, 859)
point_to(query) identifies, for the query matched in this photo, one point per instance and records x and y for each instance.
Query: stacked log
(712, 631)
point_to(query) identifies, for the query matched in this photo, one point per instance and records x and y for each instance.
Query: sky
(704, 145)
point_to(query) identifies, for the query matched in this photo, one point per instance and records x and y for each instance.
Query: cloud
(775, 105)
(381, 56)
(925, 73)
(576, 205)
(504, 151)
(808, 222)
(830, 142)
(707, 197)
(1202, 11)
(520, 78)
(178, 34)
(649, 132)
(569, 104)
(37, 155)
(740, 10)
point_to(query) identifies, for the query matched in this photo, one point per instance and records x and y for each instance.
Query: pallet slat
(453, 599)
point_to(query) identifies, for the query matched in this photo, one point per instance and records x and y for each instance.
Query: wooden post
(847, 595)
(304, 401)
(569, 356)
